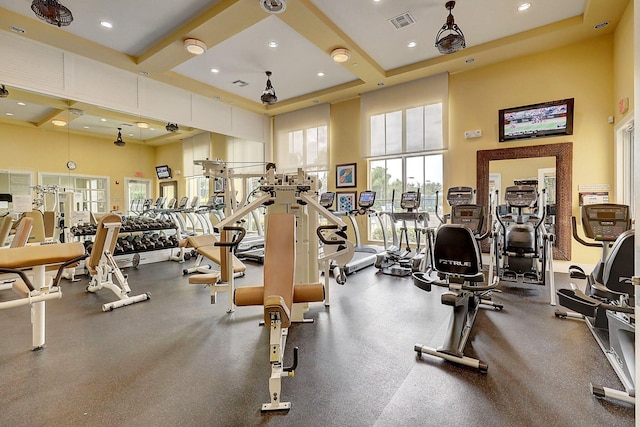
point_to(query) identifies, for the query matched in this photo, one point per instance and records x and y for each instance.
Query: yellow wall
(583, 71)
(35, 150)
(171, 155)
(623, 62)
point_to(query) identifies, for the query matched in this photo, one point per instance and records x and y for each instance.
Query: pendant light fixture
(269, 94)
(119, 142)
(450, 38)
(52, 12)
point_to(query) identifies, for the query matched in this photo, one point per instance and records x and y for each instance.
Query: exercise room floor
(177, 360)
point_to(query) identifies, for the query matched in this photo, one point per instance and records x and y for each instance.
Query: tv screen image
(163, 172)
(538, 120)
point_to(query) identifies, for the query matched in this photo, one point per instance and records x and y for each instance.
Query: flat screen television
(537, 120)
(163, 172)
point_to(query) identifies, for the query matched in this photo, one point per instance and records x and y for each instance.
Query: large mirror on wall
(550, 165)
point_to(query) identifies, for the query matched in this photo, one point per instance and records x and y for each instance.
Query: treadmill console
(326, 199)
(160, 202)
(605, 221)
(471, 216)
(459, 196)
(520, 196)
(410, 201)
(366, 199)
(183, 203)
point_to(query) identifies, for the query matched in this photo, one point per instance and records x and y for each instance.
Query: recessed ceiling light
(8, 114)
(144, 73)
(381, 84)
(412, 44)
(22, 104)
(58, 122)
(85, 127)
(103, 119)
(130, 134)
(17, 29)
(601, 25)
(320, 74)
(340, 54)
(215, 70)
(195, 46)
(106, 24)
(469, 60)
(523, 7)
(142, 125)
(273, 43)
(152, 128)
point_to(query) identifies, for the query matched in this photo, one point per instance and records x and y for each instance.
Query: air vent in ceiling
(403, 20)
(240, 83)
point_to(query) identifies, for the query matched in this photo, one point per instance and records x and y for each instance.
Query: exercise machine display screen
(605, 221)
(410, 201)
(459, 195)
(471, 216)
(520, 196)
(326, 199)
(367, 199)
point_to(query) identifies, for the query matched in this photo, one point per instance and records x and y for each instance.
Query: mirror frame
(563, 152)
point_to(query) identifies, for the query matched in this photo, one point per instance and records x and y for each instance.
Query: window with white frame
(92, 191)
(404, 130)
(16, 183)
(302, 141)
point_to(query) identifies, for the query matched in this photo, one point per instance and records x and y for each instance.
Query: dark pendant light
(450, 38)
(269, 94)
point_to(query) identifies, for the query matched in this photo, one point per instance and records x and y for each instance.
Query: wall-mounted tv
(163, 172)
(535, 121)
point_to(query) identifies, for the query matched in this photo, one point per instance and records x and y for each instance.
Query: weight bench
(283, 300)
(38, 289)
(102, 266)
(206, 248)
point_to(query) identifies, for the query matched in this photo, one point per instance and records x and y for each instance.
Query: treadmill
(364, 256)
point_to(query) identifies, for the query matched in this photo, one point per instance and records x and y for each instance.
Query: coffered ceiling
(147, 37)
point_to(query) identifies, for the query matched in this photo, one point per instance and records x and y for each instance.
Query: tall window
(403, 129)
(625, 188)
(302, 141)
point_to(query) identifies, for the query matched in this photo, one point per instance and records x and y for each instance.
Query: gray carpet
(177, 360)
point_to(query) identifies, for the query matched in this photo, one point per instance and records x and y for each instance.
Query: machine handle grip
(294, 365)
(574, 230)
(75, 260)
(22, 275)
(322, 238)
(235, 240)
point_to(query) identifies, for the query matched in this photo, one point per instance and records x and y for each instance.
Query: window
(92, 191)
(302, 141)
(137, 190)
(15, 183)
(391, 176)
(625, 170)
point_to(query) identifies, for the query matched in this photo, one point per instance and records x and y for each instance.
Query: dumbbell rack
(141, 241)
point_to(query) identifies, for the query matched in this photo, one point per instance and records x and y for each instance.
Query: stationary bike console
(604, 222)
(326, 199)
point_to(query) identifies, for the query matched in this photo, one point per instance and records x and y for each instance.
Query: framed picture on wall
(346, 201)
(346, 175)
(218, 185)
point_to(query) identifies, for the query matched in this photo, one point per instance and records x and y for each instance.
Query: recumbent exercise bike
(458, 267)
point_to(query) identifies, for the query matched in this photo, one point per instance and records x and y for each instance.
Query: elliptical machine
(522, 246)
(396, 261)
(458, 267)
(607, 305)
